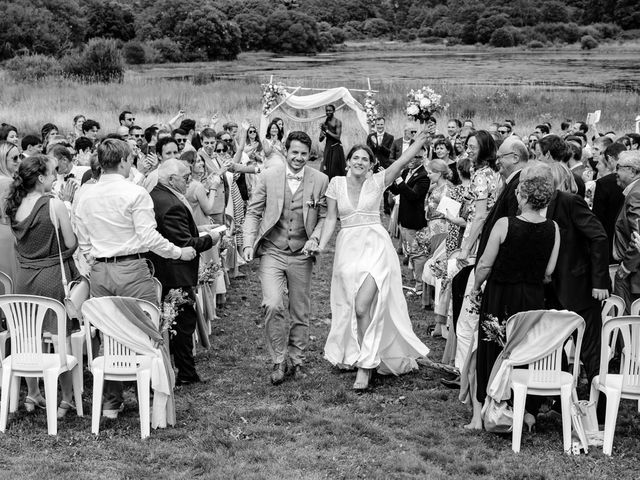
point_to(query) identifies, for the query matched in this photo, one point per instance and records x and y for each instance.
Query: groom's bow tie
(291, 176)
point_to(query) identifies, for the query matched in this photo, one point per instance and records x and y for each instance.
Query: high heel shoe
(529, 421)
(31, 403)
(363, 377)
(64, 408)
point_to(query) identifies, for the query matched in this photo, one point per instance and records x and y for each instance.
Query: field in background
(485, 85)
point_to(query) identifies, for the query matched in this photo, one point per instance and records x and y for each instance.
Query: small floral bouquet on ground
(271, 94)
(370, 109)
(226, 243)
(209, 272)
(170, 309)
(423, 103)
(494, 330)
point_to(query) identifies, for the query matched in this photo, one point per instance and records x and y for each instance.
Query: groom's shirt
(294, 180)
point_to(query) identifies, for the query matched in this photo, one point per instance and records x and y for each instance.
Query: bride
(370, 325)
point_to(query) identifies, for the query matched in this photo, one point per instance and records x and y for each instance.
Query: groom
(282, 226)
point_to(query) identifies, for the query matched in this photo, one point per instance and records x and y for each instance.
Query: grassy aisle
(239, 426)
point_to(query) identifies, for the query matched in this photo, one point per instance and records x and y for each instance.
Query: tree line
(194, 30)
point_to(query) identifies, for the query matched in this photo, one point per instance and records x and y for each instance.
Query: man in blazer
(581, 279)
(412, 187)
(627, 280)
(399, 145)
(380, 143)
(176, 223)
(282, 226)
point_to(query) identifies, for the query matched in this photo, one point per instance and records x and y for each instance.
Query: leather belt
(119, 258)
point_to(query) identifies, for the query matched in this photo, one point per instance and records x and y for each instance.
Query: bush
(588, 42)
(535, 44)
(100, 61)
(134, 53)
(431, 40)
(606, 30)
(31, 68)
(501, 38)
(168, 50)
(338, 34)
(376, 27)
(407, 35)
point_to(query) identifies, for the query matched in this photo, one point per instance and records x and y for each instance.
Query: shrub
(100, 61)
(168, 50)
(376, 27)
(502, 37)
(606, 30)
(407, 35)
(431, 40)
(31, 68)
(134, 53)
(338, 34)
(535, 44)
(588, 42)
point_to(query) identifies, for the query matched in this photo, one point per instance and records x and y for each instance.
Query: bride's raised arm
(395, 169)
(329, 224)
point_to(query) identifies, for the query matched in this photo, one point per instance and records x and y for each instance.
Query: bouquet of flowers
(226, 242)
(370, 108)
(175, 298)
(208, 272)
(271, 93)
(494, 331)
(423, 103)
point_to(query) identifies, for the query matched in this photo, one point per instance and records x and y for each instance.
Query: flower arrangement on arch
(271, 94)
(423, 103)
(371, 108)
(173, 300)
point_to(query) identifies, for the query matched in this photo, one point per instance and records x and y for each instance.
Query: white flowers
(423, 103)
(413, 109)
(271, 93)
(370, 108)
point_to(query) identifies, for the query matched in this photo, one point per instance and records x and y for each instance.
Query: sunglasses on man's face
(503, 132)
(138, 135)
(181, 140)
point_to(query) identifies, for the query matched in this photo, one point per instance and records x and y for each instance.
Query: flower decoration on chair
(173, 300)
(423, 103)
(271, 95)
(494, 330)
(371, 108)
(209, 272)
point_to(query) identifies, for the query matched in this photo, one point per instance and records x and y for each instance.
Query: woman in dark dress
(519, 258)
(334, 163)
(28, 208)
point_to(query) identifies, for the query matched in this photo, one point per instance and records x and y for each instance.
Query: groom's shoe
(298, 372)
(277, 374)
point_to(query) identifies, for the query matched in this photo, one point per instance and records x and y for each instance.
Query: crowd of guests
(491, 223)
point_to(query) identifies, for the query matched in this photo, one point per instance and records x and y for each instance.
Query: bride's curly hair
(372, 158)
(24, 182)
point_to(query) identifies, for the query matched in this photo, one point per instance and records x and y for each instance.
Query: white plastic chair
(121, 364)
(546, 378)
(25, 314)
(625, 384)
(7, 286)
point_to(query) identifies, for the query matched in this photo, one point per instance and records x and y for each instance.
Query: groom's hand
(311, 247)
(247, 253)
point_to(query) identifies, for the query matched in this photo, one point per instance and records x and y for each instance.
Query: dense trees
(165, 30)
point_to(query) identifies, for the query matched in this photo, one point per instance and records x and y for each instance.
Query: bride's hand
(311, 248)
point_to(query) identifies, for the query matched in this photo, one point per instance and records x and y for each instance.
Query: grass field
(238, 426)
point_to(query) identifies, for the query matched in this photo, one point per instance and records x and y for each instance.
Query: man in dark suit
(627, 281)
(399, 145)
(380, 143)
(412, 187)
(580, 280)
(175, 222)
(608, 197)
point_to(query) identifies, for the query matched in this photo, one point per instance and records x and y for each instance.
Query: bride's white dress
(363, 248)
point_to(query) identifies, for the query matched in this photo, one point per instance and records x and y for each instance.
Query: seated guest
(608, 197)
(31, 145)
(627, 281)
(176, 224)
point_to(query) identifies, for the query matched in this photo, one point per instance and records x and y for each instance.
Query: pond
(609, 68)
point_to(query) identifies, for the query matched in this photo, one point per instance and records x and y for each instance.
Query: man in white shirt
(116, 227)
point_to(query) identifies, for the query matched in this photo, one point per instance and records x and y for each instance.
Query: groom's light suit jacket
(267, 202)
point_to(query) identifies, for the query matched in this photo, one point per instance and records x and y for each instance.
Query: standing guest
(554, 149)
(90, 129)
(635, 140)
(176, 224)
(454, 126)
(504, 130)
(188, 125)
(283, 224)
(443, 150)
(333, 164)
(581, 279)
(31, 145)
(401, 145)
(380, 142)
(180, 137)
(66, 183)
(136, 133)
(9, 133)
(126, 119)
(412, 188)
(275, 154)
(167, 149)
(541, 130)
(627, 280)
(47, 131)
(9, 163)
(520, 257)
(76, 132)
(28, 207)
(213, 153)
(460, 145)
(608, 197)
(370, 324)
(468, 123)
(116, 227)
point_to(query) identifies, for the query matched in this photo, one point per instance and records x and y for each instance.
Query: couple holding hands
(290, 218)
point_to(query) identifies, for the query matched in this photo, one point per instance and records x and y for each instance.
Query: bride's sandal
(31, 403)
(64, 408)
(363, 377)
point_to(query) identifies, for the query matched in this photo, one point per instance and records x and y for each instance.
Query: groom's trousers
(281, 271)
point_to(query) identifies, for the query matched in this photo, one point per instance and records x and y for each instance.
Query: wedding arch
(277, 96)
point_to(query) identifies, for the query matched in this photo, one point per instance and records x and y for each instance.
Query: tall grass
(156, 100)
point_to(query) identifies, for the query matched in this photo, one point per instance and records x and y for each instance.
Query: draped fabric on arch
(317, 100)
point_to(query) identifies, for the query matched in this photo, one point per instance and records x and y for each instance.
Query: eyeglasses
(219, 150)
(252, 131)
(181, 140)
(138, 135)
(228, 140)
(130, 119)
(499, 157)
(618, 167)
(503, 132)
